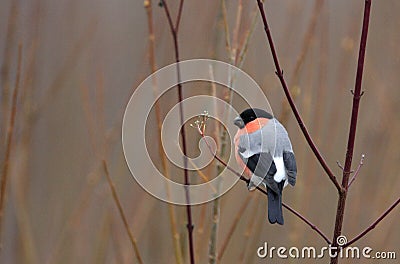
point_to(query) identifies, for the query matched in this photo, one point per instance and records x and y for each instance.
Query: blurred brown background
(81, 61)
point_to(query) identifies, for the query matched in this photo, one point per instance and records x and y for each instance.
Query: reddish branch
(353, 128)
(121, 212)
(279, 73)
(357, 171)
(10, 134)
(174, 32)
(374, 224)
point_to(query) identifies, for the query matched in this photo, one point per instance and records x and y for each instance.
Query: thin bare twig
(174, 32)
(149, 11)
(238, 216)
(279, 73)
(314, 227)
(373, 225)
(212, 247)
(250, 229)
(226, 29)
(308, 36)
(357, 170)
(67, 66)
(165, 164)
(178, 19)
(353, 128)
(248, 35)
(201, 226)
(10, 133)
(293, 80)
(340, 165)
(204, 177)
(235, 47)
(5, 67)
(121, 212)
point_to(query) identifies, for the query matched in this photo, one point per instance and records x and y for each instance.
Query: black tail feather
(275, 214)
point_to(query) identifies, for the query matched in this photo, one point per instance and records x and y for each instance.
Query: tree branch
(279, 73)
(157, 107)
(357, 170)
(174, 32)
(10, 134)
(178, 18)
(374, 224)
(232, 228)
(353, 128)
(121, 212)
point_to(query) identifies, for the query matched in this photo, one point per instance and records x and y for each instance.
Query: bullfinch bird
(264, 151)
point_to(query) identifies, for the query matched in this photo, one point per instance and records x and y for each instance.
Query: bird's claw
(251, 187)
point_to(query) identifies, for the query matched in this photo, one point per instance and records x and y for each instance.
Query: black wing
(290, 165)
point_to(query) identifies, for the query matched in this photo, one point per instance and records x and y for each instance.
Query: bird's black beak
(238, 121)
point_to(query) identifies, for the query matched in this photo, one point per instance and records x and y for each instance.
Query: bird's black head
(250, 115)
